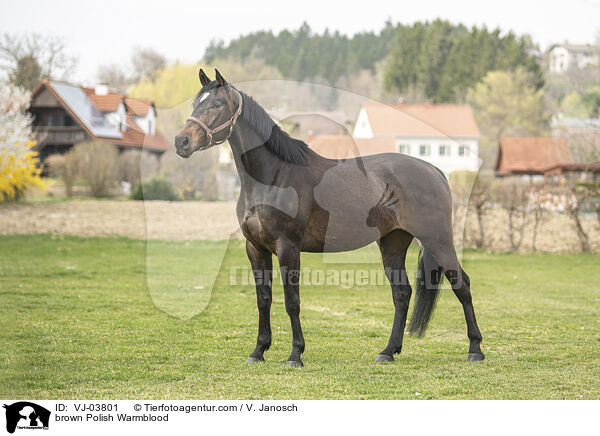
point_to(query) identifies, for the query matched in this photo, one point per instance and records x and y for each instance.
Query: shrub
(193, 177)
(154, 189)
(64, 166)
(18, 162)
(129, 166)
(98, 163)
(18, 171)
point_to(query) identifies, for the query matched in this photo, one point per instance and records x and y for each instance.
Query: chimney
(101, 89)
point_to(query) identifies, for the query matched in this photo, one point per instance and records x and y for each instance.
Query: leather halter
(229, 123)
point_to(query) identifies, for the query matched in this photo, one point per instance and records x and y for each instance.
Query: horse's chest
(256, 228)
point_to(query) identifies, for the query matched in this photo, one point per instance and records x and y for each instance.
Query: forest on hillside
(436, 60)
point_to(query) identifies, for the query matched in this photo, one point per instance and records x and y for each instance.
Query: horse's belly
(331, 232)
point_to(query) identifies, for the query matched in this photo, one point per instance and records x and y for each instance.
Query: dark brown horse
(294, 200)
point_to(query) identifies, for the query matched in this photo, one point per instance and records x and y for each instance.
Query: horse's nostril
(182, 141)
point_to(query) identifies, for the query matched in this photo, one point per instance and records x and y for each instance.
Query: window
(444, 150)
(424, 150)
(55, 119)
(462, 150)
(403, 148)
(69, 122)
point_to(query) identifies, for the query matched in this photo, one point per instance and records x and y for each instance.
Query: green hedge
(154, 189)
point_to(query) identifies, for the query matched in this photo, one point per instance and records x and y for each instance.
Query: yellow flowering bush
(18, 171)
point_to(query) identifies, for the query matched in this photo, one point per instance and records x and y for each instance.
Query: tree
(573, 105)
(480, 201)
(574, 198)
(32, 57)
(114, 76)
(19, 164)
(513, 196)
(146, 63)
(506, 103)
(440, 61)
(301, 54)
(541, 198)
(27, 73)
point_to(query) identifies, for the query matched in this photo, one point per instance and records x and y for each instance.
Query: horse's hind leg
(262, 267)
(463, 293)
(393, 248)
(445, 254)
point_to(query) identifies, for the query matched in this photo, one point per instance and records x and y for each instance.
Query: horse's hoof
(294, 364)
(475, 357)
(254, 360)
(384, 358)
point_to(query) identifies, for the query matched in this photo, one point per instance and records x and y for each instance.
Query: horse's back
(359, 200)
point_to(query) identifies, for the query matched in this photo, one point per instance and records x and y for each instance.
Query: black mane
(277, 141)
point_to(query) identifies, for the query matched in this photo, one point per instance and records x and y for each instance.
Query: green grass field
(78, 321)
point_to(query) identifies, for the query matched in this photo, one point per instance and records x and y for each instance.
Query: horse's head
(215, 112)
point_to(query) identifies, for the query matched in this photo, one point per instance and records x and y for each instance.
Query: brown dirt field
(217, 221)
(135, 219)
(555, 234)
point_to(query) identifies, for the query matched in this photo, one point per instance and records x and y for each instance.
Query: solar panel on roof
(85, 110)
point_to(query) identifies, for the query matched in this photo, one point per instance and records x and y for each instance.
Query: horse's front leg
(289, 261)
(262, 268)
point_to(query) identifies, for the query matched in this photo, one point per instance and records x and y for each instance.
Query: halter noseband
(229, 123)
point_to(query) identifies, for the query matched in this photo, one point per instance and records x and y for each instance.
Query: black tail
(429, 277)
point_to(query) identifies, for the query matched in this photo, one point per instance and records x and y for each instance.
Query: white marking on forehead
(204, 97)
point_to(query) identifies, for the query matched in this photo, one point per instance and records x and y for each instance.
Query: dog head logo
(24, 414)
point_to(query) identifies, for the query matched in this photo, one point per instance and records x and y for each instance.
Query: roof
(78, 103)
(579, 48)
(531, 155)
(138, 106)
(344, 146)
(427, 120)
(134, 136)
(87, 109)
(110, 102)
(104, 102)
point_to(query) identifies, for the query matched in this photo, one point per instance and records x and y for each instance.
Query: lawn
(78, 321)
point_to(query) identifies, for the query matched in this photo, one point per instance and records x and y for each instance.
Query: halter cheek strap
(229, 123)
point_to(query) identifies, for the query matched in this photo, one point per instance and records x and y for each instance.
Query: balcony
(53, 135)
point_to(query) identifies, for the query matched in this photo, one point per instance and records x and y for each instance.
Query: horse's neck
(254, 163)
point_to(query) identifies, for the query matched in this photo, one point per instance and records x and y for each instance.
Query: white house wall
(362, 128)
(452, 162)
(148, 122)
(118, 117)
(559, 60)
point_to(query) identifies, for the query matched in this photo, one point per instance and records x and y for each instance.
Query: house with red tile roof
(541, 156)
(445, 135)
(65, 114)
(531, 155)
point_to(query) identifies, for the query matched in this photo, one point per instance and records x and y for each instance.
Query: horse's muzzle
(183, 146)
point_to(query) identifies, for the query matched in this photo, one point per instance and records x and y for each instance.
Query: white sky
(105, 31)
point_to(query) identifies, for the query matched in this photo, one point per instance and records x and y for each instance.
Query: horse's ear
(220, 79)
(204, 80)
